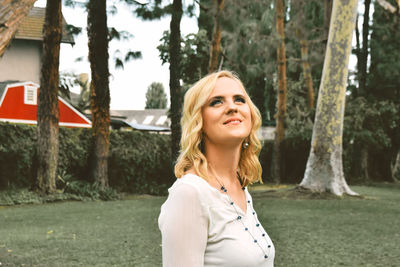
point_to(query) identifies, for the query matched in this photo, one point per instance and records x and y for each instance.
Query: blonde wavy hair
(192, 156)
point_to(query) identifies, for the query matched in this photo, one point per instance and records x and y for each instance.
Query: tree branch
(389, 7)
(203, 7)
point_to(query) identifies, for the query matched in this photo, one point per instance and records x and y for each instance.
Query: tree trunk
(215, 48)
(174, 81)
(327, 19)
(364, 164)
(324, 171)
(11, 15)
(99, 90)
(395, 166)
(307, 73)
(48, 113)
(358, 54)
(363, 58)
(281, 105)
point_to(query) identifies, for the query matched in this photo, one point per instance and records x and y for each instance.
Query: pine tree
(48, 113)
(155, 96)
(99, 88)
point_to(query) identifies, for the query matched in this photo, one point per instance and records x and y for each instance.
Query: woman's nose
(231, 107)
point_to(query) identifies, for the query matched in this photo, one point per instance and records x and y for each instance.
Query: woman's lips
(233, 121)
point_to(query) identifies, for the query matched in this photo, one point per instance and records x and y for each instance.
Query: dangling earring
(245, 145)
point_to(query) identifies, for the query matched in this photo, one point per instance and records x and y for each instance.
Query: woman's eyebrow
(218, 97)
(239, 95)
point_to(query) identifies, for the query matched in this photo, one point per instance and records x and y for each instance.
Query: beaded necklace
(239, 219)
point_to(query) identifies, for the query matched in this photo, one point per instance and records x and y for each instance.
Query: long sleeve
(183, 226)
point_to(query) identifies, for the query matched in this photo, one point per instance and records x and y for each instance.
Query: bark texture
(99, 90)
(215, 48)
(281, 105)
(307, 73)
(324, 171)
(48, 113)
(11, 15)
(176, 95)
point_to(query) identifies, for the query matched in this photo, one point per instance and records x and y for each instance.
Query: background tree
(250, 43)
(176, 94)
(11, 15)
(215, 48)
(383, 85)
(48, 113)
(281, 102)
(155, 96)
(324, 171)
(100, 92)
(362, 54)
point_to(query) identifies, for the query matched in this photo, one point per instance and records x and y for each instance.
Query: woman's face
(226, 114)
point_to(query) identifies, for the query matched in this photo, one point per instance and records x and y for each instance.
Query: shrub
(138, 162)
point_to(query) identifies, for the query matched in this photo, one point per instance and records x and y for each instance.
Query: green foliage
(194, 55)
(383, 80)
(299, 117)
(151, 10)
(17, 149)
(155, 96)
(138, 162)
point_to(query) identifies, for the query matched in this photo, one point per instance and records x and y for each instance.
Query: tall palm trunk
(215, 48)
(281, 106)
(48, 113)
(100, 92)
(11, 15)
(174, 80)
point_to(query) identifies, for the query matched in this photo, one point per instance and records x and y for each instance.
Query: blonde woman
(208, 218)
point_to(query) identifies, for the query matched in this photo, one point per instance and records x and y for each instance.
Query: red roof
(18, 104)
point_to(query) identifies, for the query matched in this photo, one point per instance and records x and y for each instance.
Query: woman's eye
(240, 99)
(215, 102)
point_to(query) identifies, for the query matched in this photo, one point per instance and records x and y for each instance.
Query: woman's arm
(183, 226)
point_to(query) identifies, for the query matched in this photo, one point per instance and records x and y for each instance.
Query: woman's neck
(223, 162)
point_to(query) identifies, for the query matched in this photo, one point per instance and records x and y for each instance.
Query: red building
(18, 104)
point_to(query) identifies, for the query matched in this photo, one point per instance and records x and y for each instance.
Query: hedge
(138, 162)
(141, 162)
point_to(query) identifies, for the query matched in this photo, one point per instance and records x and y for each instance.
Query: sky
(128, 86)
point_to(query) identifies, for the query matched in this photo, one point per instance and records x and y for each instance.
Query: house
(22, 59)
(157, 120)
(20, 75)
(18, 104)
(153, 120)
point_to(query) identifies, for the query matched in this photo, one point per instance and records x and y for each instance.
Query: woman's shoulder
(189, 180)
(189, 185)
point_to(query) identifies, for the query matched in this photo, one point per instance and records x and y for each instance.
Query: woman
(208, 218)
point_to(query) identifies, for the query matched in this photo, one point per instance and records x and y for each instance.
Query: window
(30, 95)
(161, 120)
(148, 119)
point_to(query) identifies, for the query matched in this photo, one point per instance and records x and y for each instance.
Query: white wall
(21, 61)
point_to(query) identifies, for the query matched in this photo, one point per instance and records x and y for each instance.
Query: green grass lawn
(306, 232)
